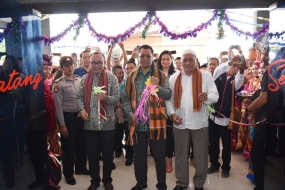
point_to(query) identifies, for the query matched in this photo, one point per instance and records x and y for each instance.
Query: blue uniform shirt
(79, 72)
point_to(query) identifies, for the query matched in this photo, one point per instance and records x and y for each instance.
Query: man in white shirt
(188, 111)
(224, 76)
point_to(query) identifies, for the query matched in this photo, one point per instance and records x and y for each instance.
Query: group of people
(94, 107)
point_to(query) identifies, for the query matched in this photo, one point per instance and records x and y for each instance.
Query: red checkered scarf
(103, 81)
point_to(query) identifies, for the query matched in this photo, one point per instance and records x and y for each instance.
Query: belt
(70, 113)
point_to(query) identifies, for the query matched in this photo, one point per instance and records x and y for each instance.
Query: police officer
(71, 125)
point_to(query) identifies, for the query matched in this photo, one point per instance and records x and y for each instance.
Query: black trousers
(122, 128)
(282, 140)
(258, 154)
(170, 142)
(215, 133)
(73, 146)
(37, 149)
(271, 139)
(7, 150)
(282, 134)
(158, 148)
(97, 141)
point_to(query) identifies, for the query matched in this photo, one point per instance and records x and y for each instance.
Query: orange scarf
(157, 119)
(196, 88)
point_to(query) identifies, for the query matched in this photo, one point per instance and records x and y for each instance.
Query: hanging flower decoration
(115, 39)
(81, 22)
(148, 25)
(240, 32)
(221, 31)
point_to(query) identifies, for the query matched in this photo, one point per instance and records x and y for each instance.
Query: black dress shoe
(36, 184)
(212, 169)
(225, 174)
(94, 186)
(138, 187)
(128, 162)
(70, 181)
(86, 172)
(179, 187)
(108, 186)
(118, 154)
(196, 188)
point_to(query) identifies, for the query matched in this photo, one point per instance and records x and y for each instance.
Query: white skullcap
(189, 51)
(225, 57)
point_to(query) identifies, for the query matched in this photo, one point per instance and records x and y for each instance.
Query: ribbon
(53, 156)
(212, 110)
(98, 90)
(142, 111)
(7, 117)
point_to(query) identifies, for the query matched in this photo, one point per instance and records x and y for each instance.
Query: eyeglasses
(99, 63)
(142, 56)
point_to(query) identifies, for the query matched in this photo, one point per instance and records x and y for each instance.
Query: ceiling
(93, 6)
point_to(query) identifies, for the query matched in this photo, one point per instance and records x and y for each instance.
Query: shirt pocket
(68, 90)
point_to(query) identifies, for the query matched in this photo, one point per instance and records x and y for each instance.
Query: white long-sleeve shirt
(239, 78)
(221, 69)
(192, 120)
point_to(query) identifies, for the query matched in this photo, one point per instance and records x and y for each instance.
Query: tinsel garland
(276, 35)
(151, 18)
(247, 35)
(191, 33)
(148, 25)
(15, 27)
(50, 40)
(81, 22)
(221, 31)
(120, 37)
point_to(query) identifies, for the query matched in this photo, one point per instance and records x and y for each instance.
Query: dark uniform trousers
(73, 146)
(158, 148)
(122, 128)
(258, 154)
(215, 133)
(37, 149)
(97, 142)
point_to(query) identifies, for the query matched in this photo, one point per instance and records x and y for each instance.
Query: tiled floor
(123, 177)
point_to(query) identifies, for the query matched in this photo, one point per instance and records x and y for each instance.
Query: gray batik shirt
(112, 99)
